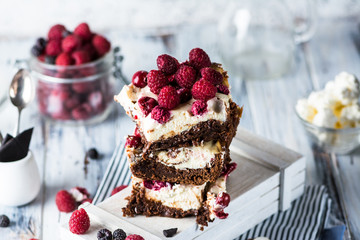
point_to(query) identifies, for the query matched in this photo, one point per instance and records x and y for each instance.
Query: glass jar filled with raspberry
(74, 75)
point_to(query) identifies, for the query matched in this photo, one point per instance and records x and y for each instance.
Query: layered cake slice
(179, 153)
(156, 198)
(194, 164)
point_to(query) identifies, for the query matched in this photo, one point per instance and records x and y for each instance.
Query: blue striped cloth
(304, 220)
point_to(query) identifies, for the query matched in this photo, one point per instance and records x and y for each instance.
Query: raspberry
(211, 75)
(79, 222)
(223, 89)
(199, 59)
(203, 90)
(79, 194)
(118, 189)
(171, 79)
(186, 76)
(185, 94)
(220, 214)
(101, 44)
(228, 168)
(160, 114)
(104, 234)
(83, 31)
(70, 43)
(53, 48)
(65, 202)
(81, 57)
(4, 221)
(134, 237)
(199, 107)
(56, 32)
(133, 141)
(92, 153)
(156, 81)
(137, 132)
(64, 59)
(139, 79)
(82, 87)
(147, 104)
(89, 48)
(167, 64)
(223, 199)
(119, 234)
(81, 112)
(168, 98)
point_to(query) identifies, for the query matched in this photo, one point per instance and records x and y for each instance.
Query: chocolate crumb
(170, 232)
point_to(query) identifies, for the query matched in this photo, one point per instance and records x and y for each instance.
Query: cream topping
(181, 117)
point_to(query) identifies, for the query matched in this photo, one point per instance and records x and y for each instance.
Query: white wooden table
(269, 111)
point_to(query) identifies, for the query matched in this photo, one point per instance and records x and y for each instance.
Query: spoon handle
(18, 123)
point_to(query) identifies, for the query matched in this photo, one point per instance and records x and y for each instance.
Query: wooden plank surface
(269, 112)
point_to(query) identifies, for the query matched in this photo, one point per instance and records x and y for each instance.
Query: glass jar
(75, 94)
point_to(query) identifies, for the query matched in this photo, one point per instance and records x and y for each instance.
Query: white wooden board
(267, 179)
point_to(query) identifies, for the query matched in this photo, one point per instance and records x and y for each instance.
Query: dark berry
(167, 64)
(199, 59)
(41, 43)
(104, 234)
(156, 81)
(156, 185)
(203, 90)
(186, 76)
(211, 75)
(184, 94)
(50, 59)
(147, 104)
(199, 107)
(160, 114)
(36, 51)
(223, 89)
(4, 221)
(228, 168)
(223, 199)
(119, 234)
(93, 153)
(139, 79)
(133, 141)
(221, 214)
(170, 232)
(168, 98)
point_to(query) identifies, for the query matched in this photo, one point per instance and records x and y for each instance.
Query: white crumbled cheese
(337, 106)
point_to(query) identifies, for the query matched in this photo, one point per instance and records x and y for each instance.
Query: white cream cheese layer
(181, 117)
(193, 157)
(183, 196)
(218, 187)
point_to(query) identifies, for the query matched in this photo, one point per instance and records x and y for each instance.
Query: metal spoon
(21, 92)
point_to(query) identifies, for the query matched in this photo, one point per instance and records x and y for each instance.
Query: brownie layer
(203, 131)
(138, 204)
(151, 169)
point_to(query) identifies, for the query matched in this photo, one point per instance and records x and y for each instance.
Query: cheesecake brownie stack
(179, 153)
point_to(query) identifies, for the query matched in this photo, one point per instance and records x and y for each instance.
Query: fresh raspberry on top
(101, 44)
(83, 31)
(71, 43)
(53, 48)
(64, 59)
(134, 237)
(147, 104)
(156, 81)
(79, 222)
(184, 94)
(168, 98)
(160, 114)
(133, 141)
(199, 59)
(65, 202)
(223, 89)
(56, 32)
(199, 107)
(211, 75)
(139, 79)
(167, 64)
(81, 57)
(185, 76)
(203, 90)
(118, 189)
